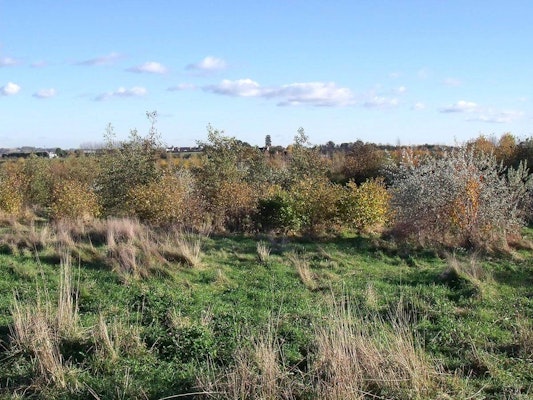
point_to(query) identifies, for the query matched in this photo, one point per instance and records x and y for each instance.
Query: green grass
(178, 328)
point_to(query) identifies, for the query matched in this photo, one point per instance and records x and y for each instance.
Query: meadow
(240, 274)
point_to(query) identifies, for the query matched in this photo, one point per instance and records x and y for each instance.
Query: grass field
(126, 313)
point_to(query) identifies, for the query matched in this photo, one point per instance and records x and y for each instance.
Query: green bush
(127, 165)
(316, 202)
(276, 212)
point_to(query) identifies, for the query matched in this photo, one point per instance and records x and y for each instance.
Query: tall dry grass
(263, 252)
(301, 264)
(358, 356)
(39, 327)
(257, 372)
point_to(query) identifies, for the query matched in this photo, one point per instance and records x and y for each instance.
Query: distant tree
(61, 153)
(268, 141)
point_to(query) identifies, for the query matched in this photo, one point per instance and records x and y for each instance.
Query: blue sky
(405, 72)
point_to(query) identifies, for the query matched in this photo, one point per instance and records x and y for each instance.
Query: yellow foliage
(160, 202)
(316, 202)
(12, 184)
(72, 199)
(365, 206)
(233, 202)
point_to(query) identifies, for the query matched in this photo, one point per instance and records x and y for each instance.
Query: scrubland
(244, 274)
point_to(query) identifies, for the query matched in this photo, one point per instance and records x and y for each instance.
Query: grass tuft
(263, 252)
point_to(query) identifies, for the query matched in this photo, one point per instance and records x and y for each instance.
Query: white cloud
(108, 59)
(240, 88)
(459, 107)
(45, 93)
(312, 93)
(419, 106)
(395, 75)
(10, 89)
(453, 82)
(135, 91)
(497, 117)
(381, 102)
(181, 87)
(150, 67)
(8, 62)
(208, 64)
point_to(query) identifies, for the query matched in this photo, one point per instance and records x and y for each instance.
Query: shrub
(316, 203)
(276, 212)
(234, 205)
(39, 182)
(463, 199)
(365, 206)
(12, 181)
(305, 162)
(127, 165)
(72, 199)
(159, 202)
(364, 161)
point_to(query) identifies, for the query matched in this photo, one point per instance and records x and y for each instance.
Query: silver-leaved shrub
(459, 199)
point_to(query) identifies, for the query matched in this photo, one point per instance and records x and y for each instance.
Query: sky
(381, 71)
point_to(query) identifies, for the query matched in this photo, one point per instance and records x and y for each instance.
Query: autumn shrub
(366, 206)
(234, 205)
(316, 203)
(12, 183)
(39, 181)
(126, 165)
(305, 162)
(463, 199)
(363, 161)
(159, 202)
(72, 199)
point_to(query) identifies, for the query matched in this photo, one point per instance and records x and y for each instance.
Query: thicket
(477, 195)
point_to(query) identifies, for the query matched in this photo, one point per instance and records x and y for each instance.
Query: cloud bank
(326, 94)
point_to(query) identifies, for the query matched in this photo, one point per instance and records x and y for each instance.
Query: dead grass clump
(39, 327)
(133, 250)
(357, 357)
(183, 247)
(304, 271)
(67, 306)
(468, 274)
(116, 338)
(257, 372)
(524, 336)
(122, 230)
(263, 252)
(33, 333)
